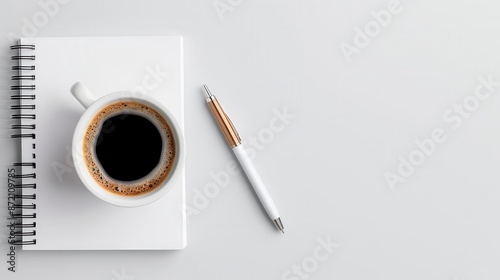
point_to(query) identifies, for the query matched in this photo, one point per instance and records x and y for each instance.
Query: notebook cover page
(69, 217)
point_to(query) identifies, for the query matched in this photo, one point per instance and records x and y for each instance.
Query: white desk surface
(414, 79)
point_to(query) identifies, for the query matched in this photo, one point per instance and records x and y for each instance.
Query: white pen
(233, 139)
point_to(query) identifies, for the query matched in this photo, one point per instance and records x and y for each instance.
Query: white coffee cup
(93, 106)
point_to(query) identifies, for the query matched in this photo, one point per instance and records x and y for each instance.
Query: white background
(325, 168)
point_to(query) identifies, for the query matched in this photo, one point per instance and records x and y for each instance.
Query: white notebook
(67, 215)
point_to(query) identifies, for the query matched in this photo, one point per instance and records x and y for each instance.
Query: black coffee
(128, 147)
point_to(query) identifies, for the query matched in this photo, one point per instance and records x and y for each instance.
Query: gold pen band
(225, 124)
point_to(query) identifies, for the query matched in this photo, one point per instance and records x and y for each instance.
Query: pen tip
(207, 91)
(279, 224)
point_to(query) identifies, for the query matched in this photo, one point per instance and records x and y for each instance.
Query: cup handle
(82, 94)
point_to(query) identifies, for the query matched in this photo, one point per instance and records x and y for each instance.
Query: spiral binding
(23, 126)
(24, 216)
(22, 96)
(25, 176)
(28, 225)
(25, 198)
(23, 116)
(32, 164)
(19, 46)
(30, 87)
(23, 67)
(24, 135)
(25, 186)
(24, 77)
(24, 107)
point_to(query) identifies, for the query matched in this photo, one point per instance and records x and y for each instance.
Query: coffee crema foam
(140, 186)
